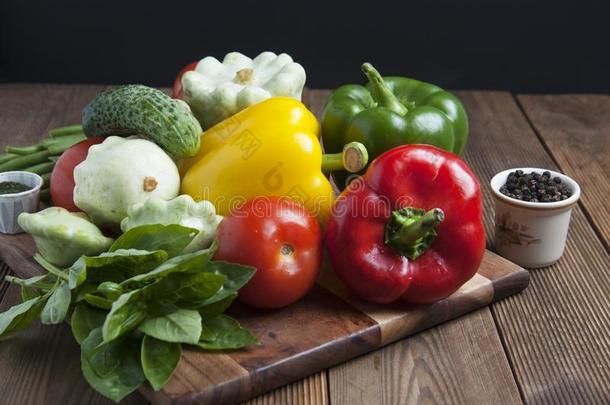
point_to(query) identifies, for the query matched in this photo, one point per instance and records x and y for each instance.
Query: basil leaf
(45, 282)
(125, 315)
(35, 286)
(170, 238)
(190, 262)
(182, 326)
(27, 293)
(56, 308)
(184, 289)
(114, 266)
(224, 332)
(51, 268)
(20, 316)
(177, 289)
(97, 301)
(113, 369)
(159, 360)
(218, 307)
(236, 276)
(84, 320)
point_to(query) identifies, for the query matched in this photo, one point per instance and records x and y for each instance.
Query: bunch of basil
(132, 307)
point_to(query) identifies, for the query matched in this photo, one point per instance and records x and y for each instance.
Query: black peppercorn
(535, 187)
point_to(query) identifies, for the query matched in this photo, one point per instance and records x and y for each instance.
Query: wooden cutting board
(324, 328)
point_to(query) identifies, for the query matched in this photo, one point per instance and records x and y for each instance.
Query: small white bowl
(532, 234)
(11, 205)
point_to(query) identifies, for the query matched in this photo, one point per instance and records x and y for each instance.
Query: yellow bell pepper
(270, 148)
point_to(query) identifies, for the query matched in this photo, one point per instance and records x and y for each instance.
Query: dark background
(522, 46)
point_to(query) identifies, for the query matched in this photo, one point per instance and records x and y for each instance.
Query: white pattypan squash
(62, 236)
(182, 210)
(216, 90)
(121, 172)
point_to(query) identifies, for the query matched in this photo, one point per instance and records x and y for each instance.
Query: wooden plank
(312, 390)
(360, 381)
(576, 131)
(28, 111)
(4, 271)
(557, 332)
(461, 361)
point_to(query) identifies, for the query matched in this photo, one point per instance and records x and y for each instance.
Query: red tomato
(177, 89)
(282, 240)
(61, 184)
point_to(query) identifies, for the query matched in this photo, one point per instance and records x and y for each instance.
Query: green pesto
(12, 187)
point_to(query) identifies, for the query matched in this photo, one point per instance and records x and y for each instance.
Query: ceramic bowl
(11, 205)
(532, 234)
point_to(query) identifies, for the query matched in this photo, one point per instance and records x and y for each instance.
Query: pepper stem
(380, 91)
(410, 231)
(353, 158)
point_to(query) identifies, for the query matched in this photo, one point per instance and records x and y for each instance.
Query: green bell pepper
(389, 112)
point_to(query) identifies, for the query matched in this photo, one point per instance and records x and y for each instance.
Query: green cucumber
(139, 110)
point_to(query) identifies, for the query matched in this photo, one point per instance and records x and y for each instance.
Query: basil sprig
(133, 307)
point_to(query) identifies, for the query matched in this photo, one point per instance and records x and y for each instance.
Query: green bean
(45, 195)
(40, 168)
(25, 161)
(63, 140)
(63, 131)
(54, 158)
(60, 147)
(25, 150)
(45, 179)
(5, 157)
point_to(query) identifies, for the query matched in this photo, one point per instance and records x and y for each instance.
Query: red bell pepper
(410, 228)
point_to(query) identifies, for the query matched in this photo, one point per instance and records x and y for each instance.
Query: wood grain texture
(398, 320)
(312, 390)
(557, 332)
(459, 362)
(28, 111)
(361, 381)
(41, 365)
(295, 341)
(4, 271)
(576, 131)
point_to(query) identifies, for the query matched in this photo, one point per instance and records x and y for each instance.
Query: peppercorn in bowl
(532, 214)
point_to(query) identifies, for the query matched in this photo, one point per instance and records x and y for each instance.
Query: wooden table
(549, 344)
